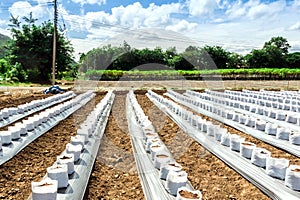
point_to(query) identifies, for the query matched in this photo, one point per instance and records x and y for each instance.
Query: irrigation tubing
(272, 187)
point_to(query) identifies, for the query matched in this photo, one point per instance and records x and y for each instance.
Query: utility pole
(54, 43)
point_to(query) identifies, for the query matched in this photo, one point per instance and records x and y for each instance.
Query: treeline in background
(27, 57)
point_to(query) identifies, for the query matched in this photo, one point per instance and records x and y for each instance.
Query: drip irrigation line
(272, 187)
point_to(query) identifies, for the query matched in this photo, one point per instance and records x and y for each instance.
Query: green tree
(293, 60)
(257, 58)
(32, 48)
(279, 43)
(218, 55)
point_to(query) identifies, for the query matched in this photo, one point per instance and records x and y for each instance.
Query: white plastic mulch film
(273, 187)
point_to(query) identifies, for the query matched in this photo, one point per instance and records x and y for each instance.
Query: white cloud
(182, 26)
(23, 8)
(295, 27)
(297, 3)
(266, 10)
(202, 7)
(82, 2)
(236, 10)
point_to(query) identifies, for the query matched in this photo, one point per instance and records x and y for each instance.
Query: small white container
(78, 140)
(5, 137)
(74, 149)
(59, 172)
(161, 158)
(236, 117)
(276, 167)
(283, 133)
(183, 193)
(260, 125)
(294, 137)
(150, 142)
(246, 149)
(292, 118)
(44, 190)
(250, 122)
(5, 113)
(280, 115)
(211, 129)
(156, 148)
(242, 119)
(15, 132)
(225, 139)
(175, 180)
(149, 136)
(259, 111)
(292, 177)
(271, 129)
(84, 134)
(87, 127)
(165, 168)
(67, 159)
(23, 130)
(235, 141)
(219, 132)
(29, 125)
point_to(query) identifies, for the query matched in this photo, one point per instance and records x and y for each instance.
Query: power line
(140, 31)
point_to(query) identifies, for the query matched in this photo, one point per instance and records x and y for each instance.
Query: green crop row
(272, 73)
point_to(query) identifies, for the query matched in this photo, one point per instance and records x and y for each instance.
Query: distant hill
(3, 41)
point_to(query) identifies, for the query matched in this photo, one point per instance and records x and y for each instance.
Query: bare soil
(30, 164)
(206, 172)
(115, 175)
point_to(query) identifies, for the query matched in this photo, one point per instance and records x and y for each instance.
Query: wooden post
(54, 43)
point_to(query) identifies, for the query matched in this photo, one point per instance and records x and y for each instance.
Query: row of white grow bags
(276, 96)
(242, 156)
(247, 124)
(12, 114)
(290, 108)
(68, 177)
(154, 156)
(23, 133)
(274, 102)
(272, 118)
(237, 143)
(272, 122)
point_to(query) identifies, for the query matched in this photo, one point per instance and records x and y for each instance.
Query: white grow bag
(292, 177)
(44, 190)
(175, 180)
(259, 156)
(276, 167)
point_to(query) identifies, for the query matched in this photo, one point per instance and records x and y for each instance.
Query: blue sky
(238, 26)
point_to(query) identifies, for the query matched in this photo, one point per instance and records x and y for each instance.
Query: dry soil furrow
(30, 164)
(114, 175)
(205, 171)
